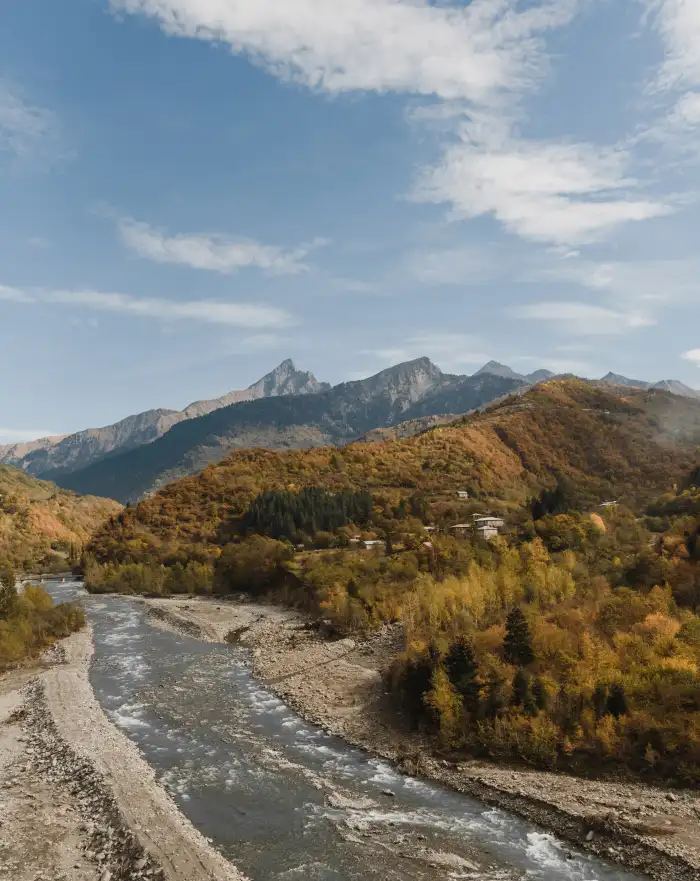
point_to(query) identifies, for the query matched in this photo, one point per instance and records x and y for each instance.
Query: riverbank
(78, 801)
(338, 685)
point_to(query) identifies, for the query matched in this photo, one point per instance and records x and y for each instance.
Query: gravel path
(338, 685)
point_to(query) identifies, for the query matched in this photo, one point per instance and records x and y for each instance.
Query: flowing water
(281, 798)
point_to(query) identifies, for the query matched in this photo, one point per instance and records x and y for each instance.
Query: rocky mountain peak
(497, 369)
(285, 379)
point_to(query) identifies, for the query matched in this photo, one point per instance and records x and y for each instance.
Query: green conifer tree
(517, 645)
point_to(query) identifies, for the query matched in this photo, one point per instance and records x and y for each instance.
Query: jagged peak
(498, 369)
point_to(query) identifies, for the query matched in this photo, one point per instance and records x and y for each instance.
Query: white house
(462, 494)
(493, 522)
(487, 532)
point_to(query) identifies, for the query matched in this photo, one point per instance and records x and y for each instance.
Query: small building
(461, 527)
(608, 504)
(429, 528)
(484, 520)
(462, 494)
(373, 542)
(487, 532)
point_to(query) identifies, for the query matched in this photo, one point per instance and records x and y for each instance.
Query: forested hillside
(606, 444)
(336, 417)
(571, 639)
(40, 524)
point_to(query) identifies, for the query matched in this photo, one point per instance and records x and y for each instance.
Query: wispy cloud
(560, 193)
(584, 319)
(24, 128)
(472, 64)
(694, 356)
(650, 285)
(470, 52)
(217, 253)
(463, 265)
(247, 315)
(678, 22)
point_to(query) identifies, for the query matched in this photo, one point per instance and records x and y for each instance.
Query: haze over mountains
(286, 409)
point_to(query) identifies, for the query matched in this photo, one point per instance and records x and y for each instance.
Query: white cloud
(19, 435)
(651, 283)
(246, 315)
(23, 127)
(560, 193)
(694, 356)
(678, 22)
(584, 319)
(213, 252)
(455, 52)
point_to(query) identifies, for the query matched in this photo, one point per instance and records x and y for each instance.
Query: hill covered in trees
(606, 445)
(40, 524)
(571, 640)
(335, 417)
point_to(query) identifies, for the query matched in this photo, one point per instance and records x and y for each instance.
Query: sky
(193, 190)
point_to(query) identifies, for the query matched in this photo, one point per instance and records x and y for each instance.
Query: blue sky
(193, 190)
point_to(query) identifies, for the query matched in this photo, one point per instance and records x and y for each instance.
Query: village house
(462, 494)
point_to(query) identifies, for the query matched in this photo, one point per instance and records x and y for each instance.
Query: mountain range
(286, 409)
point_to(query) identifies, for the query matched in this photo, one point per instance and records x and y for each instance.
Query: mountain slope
(50, 457)
(412, 390)
(607, 445)
(36, 516)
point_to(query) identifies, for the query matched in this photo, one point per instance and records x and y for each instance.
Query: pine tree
(517, 645)
(463, 670)
(600, 700)
(540, 695)
(617, 701)
(495, 701)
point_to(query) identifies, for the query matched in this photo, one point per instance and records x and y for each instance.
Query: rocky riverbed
(77, 800)
(338, 684)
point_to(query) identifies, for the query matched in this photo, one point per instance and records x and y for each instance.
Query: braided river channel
(279, 797)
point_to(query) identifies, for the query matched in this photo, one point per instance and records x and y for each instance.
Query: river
(279, 797)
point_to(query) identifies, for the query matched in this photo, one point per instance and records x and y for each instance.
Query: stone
(389, 793)
(590, 836)
(671, 797)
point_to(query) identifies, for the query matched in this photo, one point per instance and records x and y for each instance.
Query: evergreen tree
(463, 671)
(522, 693)
(495, 701)
(540, 695)
(517, 645)
(600, 700)
(617, 701)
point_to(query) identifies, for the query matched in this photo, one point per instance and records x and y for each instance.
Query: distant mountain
(283, 380)
(677, 388)
(51, 457)
(408, 391)
(539, 376)
(497, 369)
(618, 379)
(668, 385)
